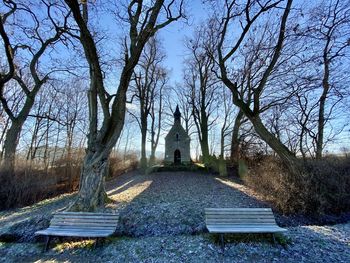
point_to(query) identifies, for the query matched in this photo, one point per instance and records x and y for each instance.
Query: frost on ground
(162, 220)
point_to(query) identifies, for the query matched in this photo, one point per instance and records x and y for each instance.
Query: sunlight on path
(240, 187)
(127, 192)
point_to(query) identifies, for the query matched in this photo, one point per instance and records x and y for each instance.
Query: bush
(119, 164)
(321, 189)
(31, 184)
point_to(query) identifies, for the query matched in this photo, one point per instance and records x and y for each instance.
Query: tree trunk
(321, 118)
(287, 157)
(143, 161)
(204, 137)
(205, 147)
(10, 145)
(235, 139)
(3, 133)
(92, 192)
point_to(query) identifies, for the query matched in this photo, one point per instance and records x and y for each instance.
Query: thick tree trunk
(204, 137)
(235, 139)
(92, 192)
(10, 146)
(288, 158)
(205, 147)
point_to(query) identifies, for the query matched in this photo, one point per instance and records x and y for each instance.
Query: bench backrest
(239, 216)
(91, 221)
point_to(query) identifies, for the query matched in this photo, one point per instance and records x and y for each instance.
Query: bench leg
(47, 242)
(274, 238)
(97, 242)
(222, 243)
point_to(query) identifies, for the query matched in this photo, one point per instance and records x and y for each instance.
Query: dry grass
(322, 189)
(32, 183)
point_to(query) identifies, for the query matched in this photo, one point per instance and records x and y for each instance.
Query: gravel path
(162, 220)
(172, 203)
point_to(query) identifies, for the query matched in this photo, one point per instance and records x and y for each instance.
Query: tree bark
(10, 146)
(92, 192)
(143, 143)
(287, 157)
(321, 118)
(235, 138)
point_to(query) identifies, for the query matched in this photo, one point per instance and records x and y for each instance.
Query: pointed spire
(177, 114)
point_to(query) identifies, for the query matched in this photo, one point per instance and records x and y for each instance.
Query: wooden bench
(241, 220)
(80, 224)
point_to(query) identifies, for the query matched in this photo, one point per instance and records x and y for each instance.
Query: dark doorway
(177, 157)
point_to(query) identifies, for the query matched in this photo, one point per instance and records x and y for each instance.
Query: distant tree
(201, 81)
(148, 80)
(156, 114)
(326, 33)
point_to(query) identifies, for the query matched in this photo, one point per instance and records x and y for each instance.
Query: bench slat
(240, 217)
(245, 230)
(212, 222)
(87, 229)
(238, 213)
(256, 209)
(86, 214)
(85, 217)
(75, 233)
(55, 221)
(83, 225)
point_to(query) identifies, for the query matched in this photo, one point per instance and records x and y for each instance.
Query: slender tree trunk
(143, 143)
(321, 118)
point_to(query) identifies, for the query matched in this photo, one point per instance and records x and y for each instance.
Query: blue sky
(173, 38)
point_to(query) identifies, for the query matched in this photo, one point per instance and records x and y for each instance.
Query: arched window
(177, 137)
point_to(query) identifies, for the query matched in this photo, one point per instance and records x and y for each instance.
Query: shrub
(32, 183)
(119, 164)
(321, 189)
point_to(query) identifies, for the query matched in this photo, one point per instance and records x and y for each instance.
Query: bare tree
(144, 20)
(30, 79)
(202, 83)
(148, 78)
(327, 33)
(227, 109)
(247, 16)
(156, 114)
